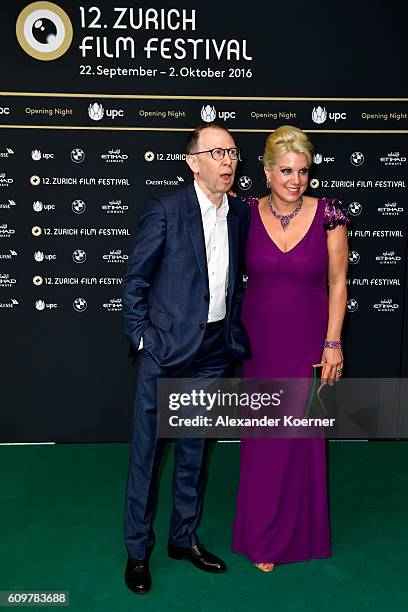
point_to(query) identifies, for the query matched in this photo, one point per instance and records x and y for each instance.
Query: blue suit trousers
(211, 361)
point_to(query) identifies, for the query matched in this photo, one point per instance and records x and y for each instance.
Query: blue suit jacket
(165, 290)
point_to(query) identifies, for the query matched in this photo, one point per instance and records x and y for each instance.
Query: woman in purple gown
(294, 306)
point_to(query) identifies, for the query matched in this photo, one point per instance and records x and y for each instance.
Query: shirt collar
(206, 204)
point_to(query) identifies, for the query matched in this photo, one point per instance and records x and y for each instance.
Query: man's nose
(226, 159)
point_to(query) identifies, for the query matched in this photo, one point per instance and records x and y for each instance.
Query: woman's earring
(268, 183)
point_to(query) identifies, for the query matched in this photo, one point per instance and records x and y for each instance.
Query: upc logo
(96, 111)
(208, 113)
(319, 114)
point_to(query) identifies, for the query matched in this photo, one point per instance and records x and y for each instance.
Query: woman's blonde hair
(284, 139)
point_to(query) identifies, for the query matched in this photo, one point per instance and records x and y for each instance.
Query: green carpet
(61, 529)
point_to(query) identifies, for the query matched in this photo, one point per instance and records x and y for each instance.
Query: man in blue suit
(182, 305)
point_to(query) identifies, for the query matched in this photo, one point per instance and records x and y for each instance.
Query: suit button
(202, 325)
(207, 298)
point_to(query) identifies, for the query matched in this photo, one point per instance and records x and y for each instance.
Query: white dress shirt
(216, 246)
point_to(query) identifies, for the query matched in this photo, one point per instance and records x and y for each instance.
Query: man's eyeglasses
(219, 153)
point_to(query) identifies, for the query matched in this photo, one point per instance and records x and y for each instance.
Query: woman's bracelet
(332, 344)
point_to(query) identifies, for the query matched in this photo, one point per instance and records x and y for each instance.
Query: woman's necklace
(285, 219)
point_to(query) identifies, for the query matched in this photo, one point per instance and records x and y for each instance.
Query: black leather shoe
(200, 557)
(137, 576)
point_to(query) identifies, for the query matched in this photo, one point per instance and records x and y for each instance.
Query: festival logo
(149, 156)
(44, 30)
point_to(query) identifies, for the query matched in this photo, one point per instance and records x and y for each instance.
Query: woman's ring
(339, 370)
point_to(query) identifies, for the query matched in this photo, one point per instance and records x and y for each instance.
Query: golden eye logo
(44, 30)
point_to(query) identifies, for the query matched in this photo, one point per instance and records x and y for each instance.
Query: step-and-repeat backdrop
(97, 101)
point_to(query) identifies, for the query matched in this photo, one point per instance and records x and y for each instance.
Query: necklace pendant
(285, 223)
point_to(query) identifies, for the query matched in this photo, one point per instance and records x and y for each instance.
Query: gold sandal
(265, 567)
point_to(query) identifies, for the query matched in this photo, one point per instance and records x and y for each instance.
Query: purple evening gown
(282, 511)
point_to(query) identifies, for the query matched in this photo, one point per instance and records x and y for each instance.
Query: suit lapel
(195, 227)
(233, 231)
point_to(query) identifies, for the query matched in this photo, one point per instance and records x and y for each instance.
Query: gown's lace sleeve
(335, 214)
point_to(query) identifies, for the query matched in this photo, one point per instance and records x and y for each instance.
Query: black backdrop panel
(342, 49)
(75, 169)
